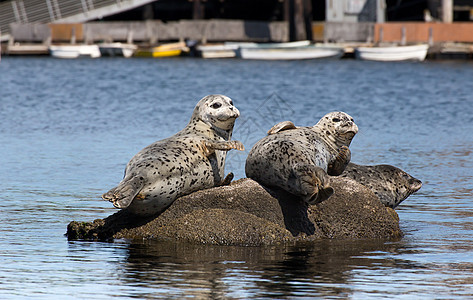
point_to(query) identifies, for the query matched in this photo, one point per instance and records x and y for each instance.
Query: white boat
(246, 45)
(117, 49)
(294, 53)
(232, 49)
(392, 53)
(74, 51)
(216, 51)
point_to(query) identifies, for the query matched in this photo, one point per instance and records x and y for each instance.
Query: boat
(392, 53)
(74, 51)
(165, 50)
(232, 49)
(248, 45)
(27, 49)
(216, 51)
(291, 53)
(117, 49)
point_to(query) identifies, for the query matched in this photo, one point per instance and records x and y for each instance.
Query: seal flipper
(122, 195)
(281, 126)
(340, 162)
(209, 147)
(227, 180)
(310, 182)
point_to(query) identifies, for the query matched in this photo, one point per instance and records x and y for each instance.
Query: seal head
(337, 129)
(218, 111)
(391, 184)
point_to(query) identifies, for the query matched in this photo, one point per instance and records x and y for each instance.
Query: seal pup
(298, 159)
(192, 159)
(392, 185)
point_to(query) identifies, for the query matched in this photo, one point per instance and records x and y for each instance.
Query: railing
(49, 11)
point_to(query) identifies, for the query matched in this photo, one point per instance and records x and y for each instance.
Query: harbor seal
(192, 159)
(392, 185)
(298, 159)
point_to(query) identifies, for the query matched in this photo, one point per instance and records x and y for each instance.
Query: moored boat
(27, 49)
(117, 49)
(216, 51)
(247, 45)
(392, 53)
(74, 51)
(166, 50)
(291, 53)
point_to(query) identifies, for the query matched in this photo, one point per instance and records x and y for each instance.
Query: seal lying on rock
(392, 185)
(298, 159)
(191, 160)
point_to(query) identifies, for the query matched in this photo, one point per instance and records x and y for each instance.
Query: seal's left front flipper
(227, 180)
(340, 162)
(209, 147)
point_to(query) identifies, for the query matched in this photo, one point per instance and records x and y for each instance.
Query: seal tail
(122, 195)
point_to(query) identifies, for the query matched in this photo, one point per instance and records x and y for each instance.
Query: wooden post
(403, 36)
(431, 36)
(197, 10)
(73, 35)
(287, 10)
(447, 11)
(308, 19)
(296, 20)
(129, 36)
(380, 11)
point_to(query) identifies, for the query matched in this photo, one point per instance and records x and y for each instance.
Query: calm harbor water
(68, 127)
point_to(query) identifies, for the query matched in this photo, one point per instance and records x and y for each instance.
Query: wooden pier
(446, 40)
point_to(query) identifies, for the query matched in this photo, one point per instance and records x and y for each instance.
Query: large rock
(245, 213)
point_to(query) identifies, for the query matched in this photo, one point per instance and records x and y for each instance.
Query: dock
(446, 41)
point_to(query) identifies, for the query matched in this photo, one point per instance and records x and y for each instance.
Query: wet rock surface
(246, 213)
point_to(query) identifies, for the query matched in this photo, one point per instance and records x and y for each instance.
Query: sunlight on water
(68, 132)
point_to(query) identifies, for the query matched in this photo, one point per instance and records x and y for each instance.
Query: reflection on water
(322, 269)
(66, 136)
(326, 269)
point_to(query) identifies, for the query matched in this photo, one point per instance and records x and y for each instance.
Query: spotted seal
(392, 185)
(298, 159)
(192, 159)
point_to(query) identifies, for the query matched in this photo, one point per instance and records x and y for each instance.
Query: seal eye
(216, 105)
(231, 102)
(336, 120)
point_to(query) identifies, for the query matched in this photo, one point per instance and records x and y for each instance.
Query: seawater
(68, 128)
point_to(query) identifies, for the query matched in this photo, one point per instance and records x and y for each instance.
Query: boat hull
(158, 53)
(395, 53)
(74, 51)
(165, 50)
(297, 53)
(117, 49)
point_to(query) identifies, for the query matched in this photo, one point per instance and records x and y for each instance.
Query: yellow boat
(166, 50)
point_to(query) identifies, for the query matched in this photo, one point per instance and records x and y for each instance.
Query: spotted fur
(392, 185)
(191, 160)
(298, 159)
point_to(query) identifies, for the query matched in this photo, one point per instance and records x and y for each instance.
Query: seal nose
(354, 126)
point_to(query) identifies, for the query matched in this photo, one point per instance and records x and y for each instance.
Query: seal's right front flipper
(340, 162)
(311, 183)
(209, 147)
(281, 126)
(125, 192)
